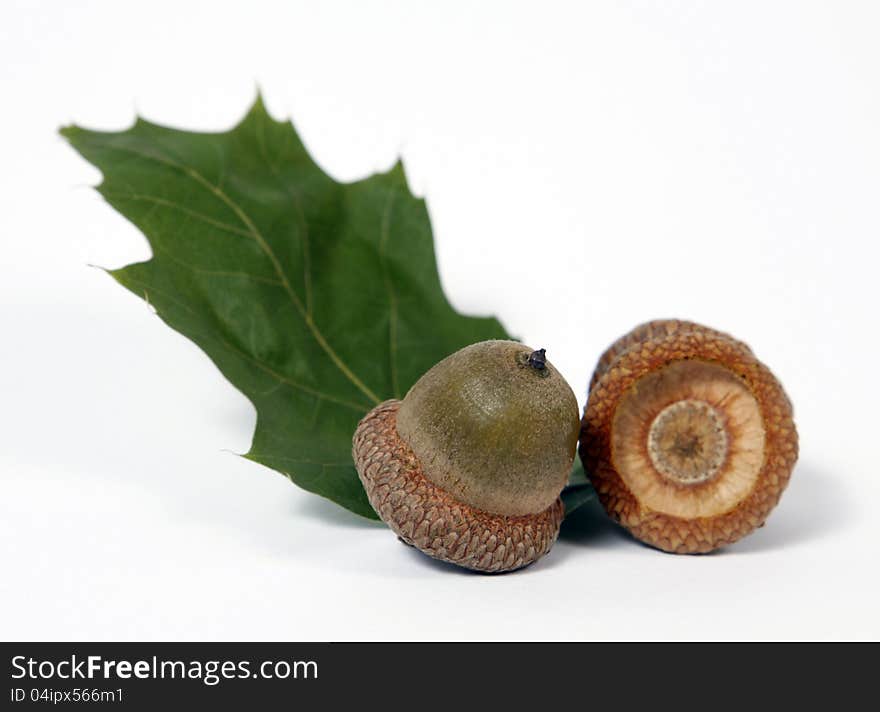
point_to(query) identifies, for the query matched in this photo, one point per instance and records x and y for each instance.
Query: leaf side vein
(263, 366)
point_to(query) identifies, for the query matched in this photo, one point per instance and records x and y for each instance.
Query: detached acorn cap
(469, 466)
(688, 439)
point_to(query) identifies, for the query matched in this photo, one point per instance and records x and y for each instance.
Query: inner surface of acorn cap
(688, 439)
(495, 425)
(688, 442)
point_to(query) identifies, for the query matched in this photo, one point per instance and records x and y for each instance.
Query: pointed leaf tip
(69, 131)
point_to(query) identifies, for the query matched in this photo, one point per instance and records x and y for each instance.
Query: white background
(627, 160)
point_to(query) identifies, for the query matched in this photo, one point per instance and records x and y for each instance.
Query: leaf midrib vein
(255, 233)
(297, 201)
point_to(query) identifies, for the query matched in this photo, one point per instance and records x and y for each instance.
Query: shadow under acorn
(813, 506)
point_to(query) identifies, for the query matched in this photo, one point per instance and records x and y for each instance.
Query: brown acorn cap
(688, 439)
(429, 518)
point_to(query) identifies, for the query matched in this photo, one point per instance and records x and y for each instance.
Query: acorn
(688, 439)
(469, 466)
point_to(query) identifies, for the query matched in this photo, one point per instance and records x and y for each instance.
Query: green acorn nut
(468, 467)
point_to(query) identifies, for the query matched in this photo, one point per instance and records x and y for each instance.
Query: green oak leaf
(316, 299)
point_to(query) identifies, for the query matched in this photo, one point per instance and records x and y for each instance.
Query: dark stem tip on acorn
(538, 359)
